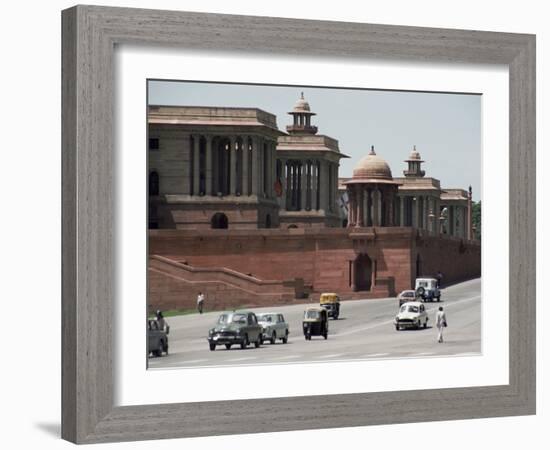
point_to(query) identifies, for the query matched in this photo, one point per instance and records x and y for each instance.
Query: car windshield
(408, 294)
(312, 314)
(409, 308)
(228, 318)
(265, 318)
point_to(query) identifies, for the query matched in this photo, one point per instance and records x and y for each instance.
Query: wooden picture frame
(89, 35)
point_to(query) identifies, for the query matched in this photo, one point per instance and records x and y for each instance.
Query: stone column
(282, 203)
(402, 211)
(313, 189)
(334, 193)
(208, 168)
(273, 168)
(256, 166)
(323, 186)
(232, 166)
(389, 200)
(416, 218)
(196, 164)
(269, 171)
(350, 207)
(375, 213)
(288, 168)
(244, 166)
(187, 168)
(360, 204)
(303, 185)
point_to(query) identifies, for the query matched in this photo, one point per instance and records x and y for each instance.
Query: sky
(446, 128)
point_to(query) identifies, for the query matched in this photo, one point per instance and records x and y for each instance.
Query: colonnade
(419, 211)
(455, 222)
(239, 165)
(371, 205)
(308, 185)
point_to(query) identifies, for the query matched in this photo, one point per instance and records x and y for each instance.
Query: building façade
(250, 214)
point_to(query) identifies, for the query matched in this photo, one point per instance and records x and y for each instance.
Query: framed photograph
(277, 224)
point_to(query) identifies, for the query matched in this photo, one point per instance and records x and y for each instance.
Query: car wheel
(426, 323)
(397, 328)
(212, 347)
(273, 338)
(244, 343)
(285, 339)
(258, 341)
(158, 351)
(228, 346)
(439, 298)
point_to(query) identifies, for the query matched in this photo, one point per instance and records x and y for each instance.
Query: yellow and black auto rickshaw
(315, 323)
(331, 302)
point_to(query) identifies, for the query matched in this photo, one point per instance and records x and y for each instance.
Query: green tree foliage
(476, 219)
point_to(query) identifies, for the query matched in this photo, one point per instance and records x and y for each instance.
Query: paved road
(364, 331)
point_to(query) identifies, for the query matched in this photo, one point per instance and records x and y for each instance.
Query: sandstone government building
(252, 215)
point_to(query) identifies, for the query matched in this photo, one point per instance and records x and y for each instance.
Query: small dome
(373, 167)
(414, 156)
(301, 106)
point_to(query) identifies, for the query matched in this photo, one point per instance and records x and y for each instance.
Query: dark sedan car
(157, 338)
(235, 328)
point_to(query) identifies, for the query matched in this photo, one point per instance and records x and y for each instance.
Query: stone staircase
(175, 285)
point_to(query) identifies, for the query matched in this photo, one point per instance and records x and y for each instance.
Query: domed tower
(307, 173)
(302, 118)
(415, 163)
(371, 193)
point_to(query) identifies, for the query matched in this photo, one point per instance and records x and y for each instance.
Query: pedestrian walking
(162, 324)
(200, 302)
(440, 322)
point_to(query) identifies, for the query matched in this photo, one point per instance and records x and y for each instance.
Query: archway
(219, 221)
(268, 221)
(363, 273)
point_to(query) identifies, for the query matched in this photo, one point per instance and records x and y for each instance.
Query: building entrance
(363, 273)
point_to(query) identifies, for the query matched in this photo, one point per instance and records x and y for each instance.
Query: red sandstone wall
(456, 258)
(321, 257)
(267, 254)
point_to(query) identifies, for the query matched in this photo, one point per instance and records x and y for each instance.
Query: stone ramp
(175, 285)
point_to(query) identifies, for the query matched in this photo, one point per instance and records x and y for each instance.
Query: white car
(274, 327)
(411, 315)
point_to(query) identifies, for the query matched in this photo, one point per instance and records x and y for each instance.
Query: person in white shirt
(440, 323)
(200, 302)
(162, 324)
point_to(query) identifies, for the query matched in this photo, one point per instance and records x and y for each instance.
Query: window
(154, 144)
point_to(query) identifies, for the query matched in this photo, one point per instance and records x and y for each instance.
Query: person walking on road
(200, 302)
(440, 322)
(162, 324)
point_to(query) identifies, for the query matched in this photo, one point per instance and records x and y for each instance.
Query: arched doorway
(219, 221)
(363, 273)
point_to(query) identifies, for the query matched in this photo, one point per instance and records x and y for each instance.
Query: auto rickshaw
(331, 302)
(315, 323)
